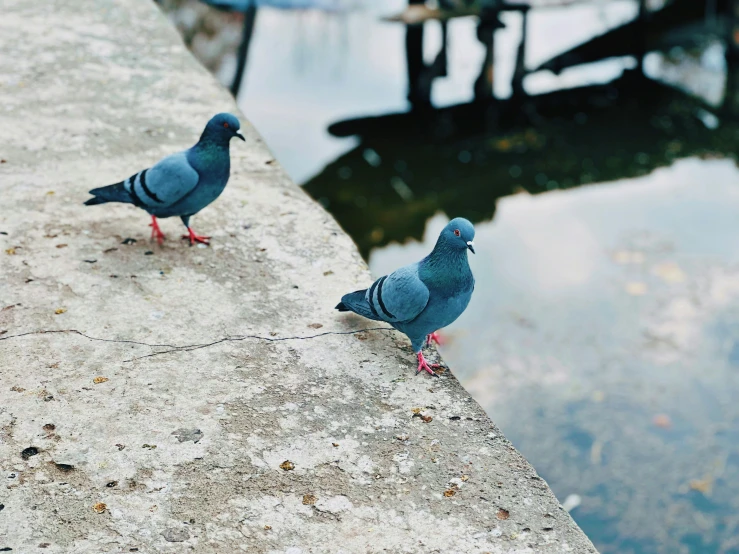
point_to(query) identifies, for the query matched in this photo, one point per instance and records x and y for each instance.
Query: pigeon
(181, 184)
(420, 298)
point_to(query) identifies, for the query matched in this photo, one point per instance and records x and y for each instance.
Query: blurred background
(592, 142)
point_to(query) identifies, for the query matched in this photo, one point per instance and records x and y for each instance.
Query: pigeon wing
(398, 297)
(165, 183)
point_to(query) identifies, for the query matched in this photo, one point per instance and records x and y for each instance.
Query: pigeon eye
(456, 232)
(225, 125)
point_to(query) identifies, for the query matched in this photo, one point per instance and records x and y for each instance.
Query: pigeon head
(459, 234)
(222, 128)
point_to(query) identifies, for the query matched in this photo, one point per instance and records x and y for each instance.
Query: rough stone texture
(187, 450)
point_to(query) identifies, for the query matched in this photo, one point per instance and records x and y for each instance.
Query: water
(603, 333)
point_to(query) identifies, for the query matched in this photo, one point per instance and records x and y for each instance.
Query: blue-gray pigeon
(181, 184)
(420, 298)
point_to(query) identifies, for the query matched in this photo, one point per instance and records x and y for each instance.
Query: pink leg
(195, 238)
(156, 232)
(424, 366)
(436, 337)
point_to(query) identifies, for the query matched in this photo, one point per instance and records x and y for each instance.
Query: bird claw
(435, 337)
(196, 238)
(424, 366)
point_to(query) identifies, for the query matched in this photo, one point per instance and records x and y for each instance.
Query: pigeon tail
(111, 193)
(357, 302)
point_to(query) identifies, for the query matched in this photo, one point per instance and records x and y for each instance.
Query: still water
(603, 335)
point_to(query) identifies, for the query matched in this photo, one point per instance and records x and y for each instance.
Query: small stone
(149, 446)
(176, 535)
(99, 508)
(184, 435)
(287, 465)
(61, 245)
(120, 446)
(10, 251)
(129, 241)
(111, 484)
(503, 514)
(309, 499)
(315, 325)
(426, 418)
(98, 380)
(335, 444)
(59, 311)
(267, 527)
(17, 389)
(28, 452)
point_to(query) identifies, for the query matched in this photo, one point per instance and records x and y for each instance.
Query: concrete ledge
(326, 444)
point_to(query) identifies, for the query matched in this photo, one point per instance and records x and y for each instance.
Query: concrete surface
(255, 445)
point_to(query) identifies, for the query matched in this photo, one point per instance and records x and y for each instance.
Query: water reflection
(463, 158)
(602, 333)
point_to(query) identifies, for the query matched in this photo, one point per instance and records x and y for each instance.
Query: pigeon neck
(210, 156)
(447, 256)
(212, 141)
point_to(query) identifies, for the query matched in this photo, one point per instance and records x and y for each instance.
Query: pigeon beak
(240, 136)
(471, 246)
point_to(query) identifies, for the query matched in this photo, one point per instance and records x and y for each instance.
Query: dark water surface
(603, 335)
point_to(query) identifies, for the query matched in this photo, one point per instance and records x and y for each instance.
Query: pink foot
(436, 337)
(156, 232)
(424, 366)
(195, 238)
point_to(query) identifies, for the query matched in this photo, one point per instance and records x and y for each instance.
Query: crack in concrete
(191, 347)
(80, 333)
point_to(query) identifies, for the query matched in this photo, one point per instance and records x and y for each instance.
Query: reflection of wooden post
(420, 75)
(250, 16)
(641, 38)
(441, 59)
(731, 93)
(485, 33)
(414, 59)
(519, 71)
